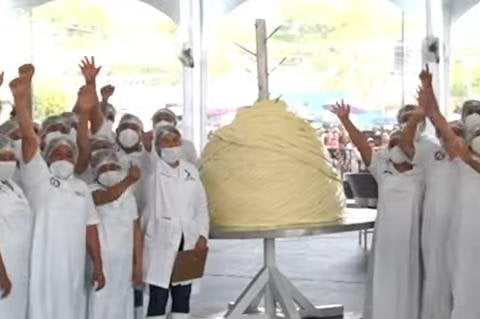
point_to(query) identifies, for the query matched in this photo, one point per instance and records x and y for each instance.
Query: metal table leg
(279, 294)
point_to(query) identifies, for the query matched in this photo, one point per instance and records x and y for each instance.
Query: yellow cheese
(269, 170)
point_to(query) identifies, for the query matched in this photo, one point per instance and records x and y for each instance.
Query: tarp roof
(219, 7)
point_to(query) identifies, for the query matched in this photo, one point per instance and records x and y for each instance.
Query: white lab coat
(62, 210)
(440, 175)
(394, 290)
(176, 206)
(16, 221)
(116, 241)
(466, 280)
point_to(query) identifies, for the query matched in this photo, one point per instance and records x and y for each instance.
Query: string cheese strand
(269, 170)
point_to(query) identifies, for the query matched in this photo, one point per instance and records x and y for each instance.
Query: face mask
(73, 135)
(472, 122)
(162, 123)
(51, 136)
(110, 178)
(109, 125)
(171, 155)
(397, 156)
(475, 144)
(7, 169)
(17, 149)
(62, 169)
(128, 138)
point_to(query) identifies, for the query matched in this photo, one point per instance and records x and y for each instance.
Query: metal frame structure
(281, 297)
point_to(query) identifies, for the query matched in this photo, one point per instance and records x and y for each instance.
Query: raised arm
(86, 101)
(27, 71)
(342, 111)
(408, 134)
(90, 72)
(102, 197)
(21, 90)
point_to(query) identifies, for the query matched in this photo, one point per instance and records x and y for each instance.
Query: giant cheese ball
(268, 170)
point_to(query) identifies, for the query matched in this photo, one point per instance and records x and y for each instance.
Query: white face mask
(109, 125)
(171, 155)
(62, 169)
(110, 178)
(73, 135)
(397, 156)
(7, 169)
(162, 123)
(472, 122)
(475, 144)
(128, 138)
(17, 149)
(52, 135)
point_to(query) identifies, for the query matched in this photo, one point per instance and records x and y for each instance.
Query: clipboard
(189, 265)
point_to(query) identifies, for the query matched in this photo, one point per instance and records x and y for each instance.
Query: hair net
(108, 109)
(71, 118)
(103, 157)
(100, 142)
(55, 143)
(164, 130)
(404, 112)
(53, 120)
(5, 143)
(9, 127)
(469, 107)
(164, 111)
(131, 119)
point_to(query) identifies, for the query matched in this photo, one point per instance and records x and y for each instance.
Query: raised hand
(426, 77)
(87, 98)
(20, 88)
(107, 91)
(89, 69)
(27, 71)
(341, 110)
(426, 100)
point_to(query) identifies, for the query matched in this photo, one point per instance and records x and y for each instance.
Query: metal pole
(269, 261)
(428, 11)
(262, 59)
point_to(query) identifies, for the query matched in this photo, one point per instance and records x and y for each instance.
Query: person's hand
(27, 71)
(5, 285)
(134, 174)
(137, 276)
(1, 78)
(99, 281)
(87, 98)
(89, 70)
(426, 100)
(107, 91)
(202, 244)
(341, 110)
(426, 77)
(20, 88)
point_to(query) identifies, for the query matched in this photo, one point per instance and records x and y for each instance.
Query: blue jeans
(159, 299)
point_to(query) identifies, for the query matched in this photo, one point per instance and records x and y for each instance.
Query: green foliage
(49, 99)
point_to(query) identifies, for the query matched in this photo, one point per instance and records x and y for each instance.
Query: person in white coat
(175, 218)
(394, 286)
(65, 218)
(16, 221)
(165, 117)
(465, 278)
(121, 255)
(441, 179)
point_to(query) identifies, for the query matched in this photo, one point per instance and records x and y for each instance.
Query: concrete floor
(328, 269)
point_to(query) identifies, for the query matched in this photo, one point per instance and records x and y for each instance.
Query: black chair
(364, 189)
(365, 192)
